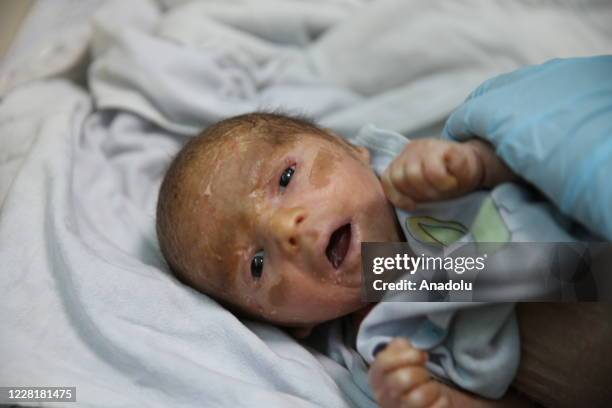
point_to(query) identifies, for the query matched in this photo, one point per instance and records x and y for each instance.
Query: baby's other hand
(432, 169)
(399, 378)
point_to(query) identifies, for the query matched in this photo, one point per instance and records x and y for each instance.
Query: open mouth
(338, 246)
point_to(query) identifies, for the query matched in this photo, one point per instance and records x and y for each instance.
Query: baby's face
(281, 226)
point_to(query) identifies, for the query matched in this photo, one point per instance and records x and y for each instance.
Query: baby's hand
(399, 378)
(433, 169)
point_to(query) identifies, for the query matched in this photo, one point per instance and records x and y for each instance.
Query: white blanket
(86, 299)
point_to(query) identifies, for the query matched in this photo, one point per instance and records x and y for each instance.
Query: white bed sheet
(86, 297)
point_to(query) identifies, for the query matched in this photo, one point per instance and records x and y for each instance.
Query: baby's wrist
(494, 170)
(480, 152)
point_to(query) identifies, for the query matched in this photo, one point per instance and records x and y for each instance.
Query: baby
(266, 212)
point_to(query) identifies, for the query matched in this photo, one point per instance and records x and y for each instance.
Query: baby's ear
(362, 152)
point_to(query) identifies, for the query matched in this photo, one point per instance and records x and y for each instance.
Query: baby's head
(266, 213)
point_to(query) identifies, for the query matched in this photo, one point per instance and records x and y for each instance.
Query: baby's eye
(285, 178)
(257, 264)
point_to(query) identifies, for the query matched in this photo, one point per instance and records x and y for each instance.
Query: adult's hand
(552, 125)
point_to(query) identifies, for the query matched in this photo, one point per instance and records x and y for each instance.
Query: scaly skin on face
(323, 167)
(241, 209)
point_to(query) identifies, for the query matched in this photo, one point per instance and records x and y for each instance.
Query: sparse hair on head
(273, 127)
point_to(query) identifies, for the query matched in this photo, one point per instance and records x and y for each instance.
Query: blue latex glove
(552, 124)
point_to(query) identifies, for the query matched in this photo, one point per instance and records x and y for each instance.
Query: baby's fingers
(402, 380)
(438, 176)
(393, 193)
(399, 353)
(415, 183)
(406, 183)
(463, 164)
(428, 394)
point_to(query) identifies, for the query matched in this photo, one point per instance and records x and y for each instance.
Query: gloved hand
(552, 125)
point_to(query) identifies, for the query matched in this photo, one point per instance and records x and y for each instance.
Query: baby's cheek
(277, 295)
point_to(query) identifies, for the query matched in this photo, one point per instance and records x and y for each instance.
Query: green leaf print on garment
(488, 226)
(430, 230)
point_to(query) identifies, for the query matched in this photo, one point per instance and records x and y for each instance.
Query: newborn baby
(266, 213)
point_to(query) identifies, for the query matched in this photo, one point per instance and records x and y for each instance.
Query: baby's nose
(286, 225)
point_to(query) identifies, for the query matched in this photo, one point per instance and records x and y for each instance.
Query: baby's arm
(435, 169)
(399, 379)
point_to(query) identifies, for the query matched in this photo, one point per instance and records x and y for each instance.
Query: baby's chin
(315, 314)
(375, 217)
